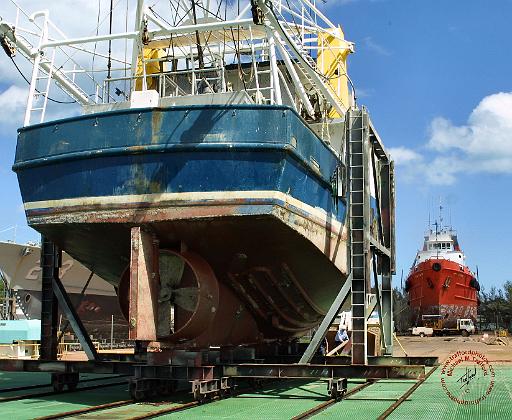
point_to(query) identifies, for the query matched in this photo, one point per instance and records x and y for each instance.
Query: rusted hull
(446, 289)
(257, 204)
(278, 275)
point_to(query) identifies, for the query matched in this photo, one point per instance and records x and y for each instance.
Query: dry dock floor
(290, 399)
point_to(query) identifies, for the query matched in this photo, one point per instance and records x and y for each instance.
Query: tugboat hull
(442, 288)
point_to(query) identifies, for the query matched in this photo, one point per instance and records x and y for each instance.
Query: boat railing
(166, 83)
(293, 56)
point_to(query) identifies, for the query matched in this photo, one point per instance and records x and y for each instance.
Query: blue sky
(436, 76)
(423, 69)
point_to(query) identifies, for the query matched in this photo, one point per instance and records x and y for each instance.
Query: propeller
(172, 288)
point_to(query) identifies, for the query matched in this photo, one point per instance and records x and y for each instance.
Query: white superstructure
(441, 244)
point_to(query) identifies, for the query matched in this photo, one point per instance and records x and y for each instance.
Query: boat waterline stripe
(204, 196)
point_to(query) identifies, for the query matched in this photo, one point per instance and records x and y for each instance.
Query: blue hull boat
(247, 188)
(206, 178)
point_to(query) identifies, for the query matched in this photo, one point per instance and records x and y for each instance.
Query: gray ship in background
(20, 273)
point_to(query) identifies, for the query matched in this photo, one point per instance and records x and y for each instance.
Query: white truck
(465, 327)
(423, 331)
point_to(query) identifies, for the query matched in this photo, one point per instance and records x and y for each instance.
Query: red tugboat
(442, 289)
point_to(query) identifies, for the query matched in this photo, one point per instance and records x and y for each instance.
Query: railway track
(168, 407)
(149, 414)
(406, 395)
(86, 410)
(115, 404)
(396, 402)
(322, 406)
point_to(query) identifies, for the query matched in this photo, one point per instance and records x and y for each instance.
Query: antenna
(440, 214)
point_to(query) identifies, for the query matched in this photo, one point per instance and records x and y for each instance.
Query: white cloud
(12, 103)
(365, 92)
(403, 155)
(487, 134)
(375, 47)
(483, 144)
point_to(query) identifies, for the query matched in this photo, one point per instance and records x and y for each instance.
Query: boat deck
(107, 397)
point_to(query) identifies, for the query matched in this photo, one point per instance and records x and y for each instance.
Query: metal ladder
(44, 68)
(359, 219)
(40, 86)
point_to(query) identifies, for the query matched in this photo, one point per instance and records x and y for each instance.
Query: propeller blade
(186, 298)
(171, 270)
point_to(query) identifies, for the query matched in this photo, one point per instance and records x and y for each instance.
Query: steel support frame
(54, 295)
(386, 360)
(359, 225)
(365, 153)
(398, 370)
(387, 203)
(50, 256)
(74, 320)
(291, 371)
(367, 160)
(326, 322)
(144, 286)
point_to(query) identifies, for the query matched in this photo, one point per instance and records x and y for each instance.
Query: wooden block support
(144, 286)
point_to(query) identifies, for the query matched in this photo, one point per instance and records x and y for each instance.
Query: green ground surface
(16, 379)
(21, 379)
(368, 403)
(44, 406)
(133, 410)
(430, 401)
(281, 400)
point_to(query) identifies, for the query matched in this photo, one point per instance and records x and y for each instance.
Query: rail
(291, 35)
